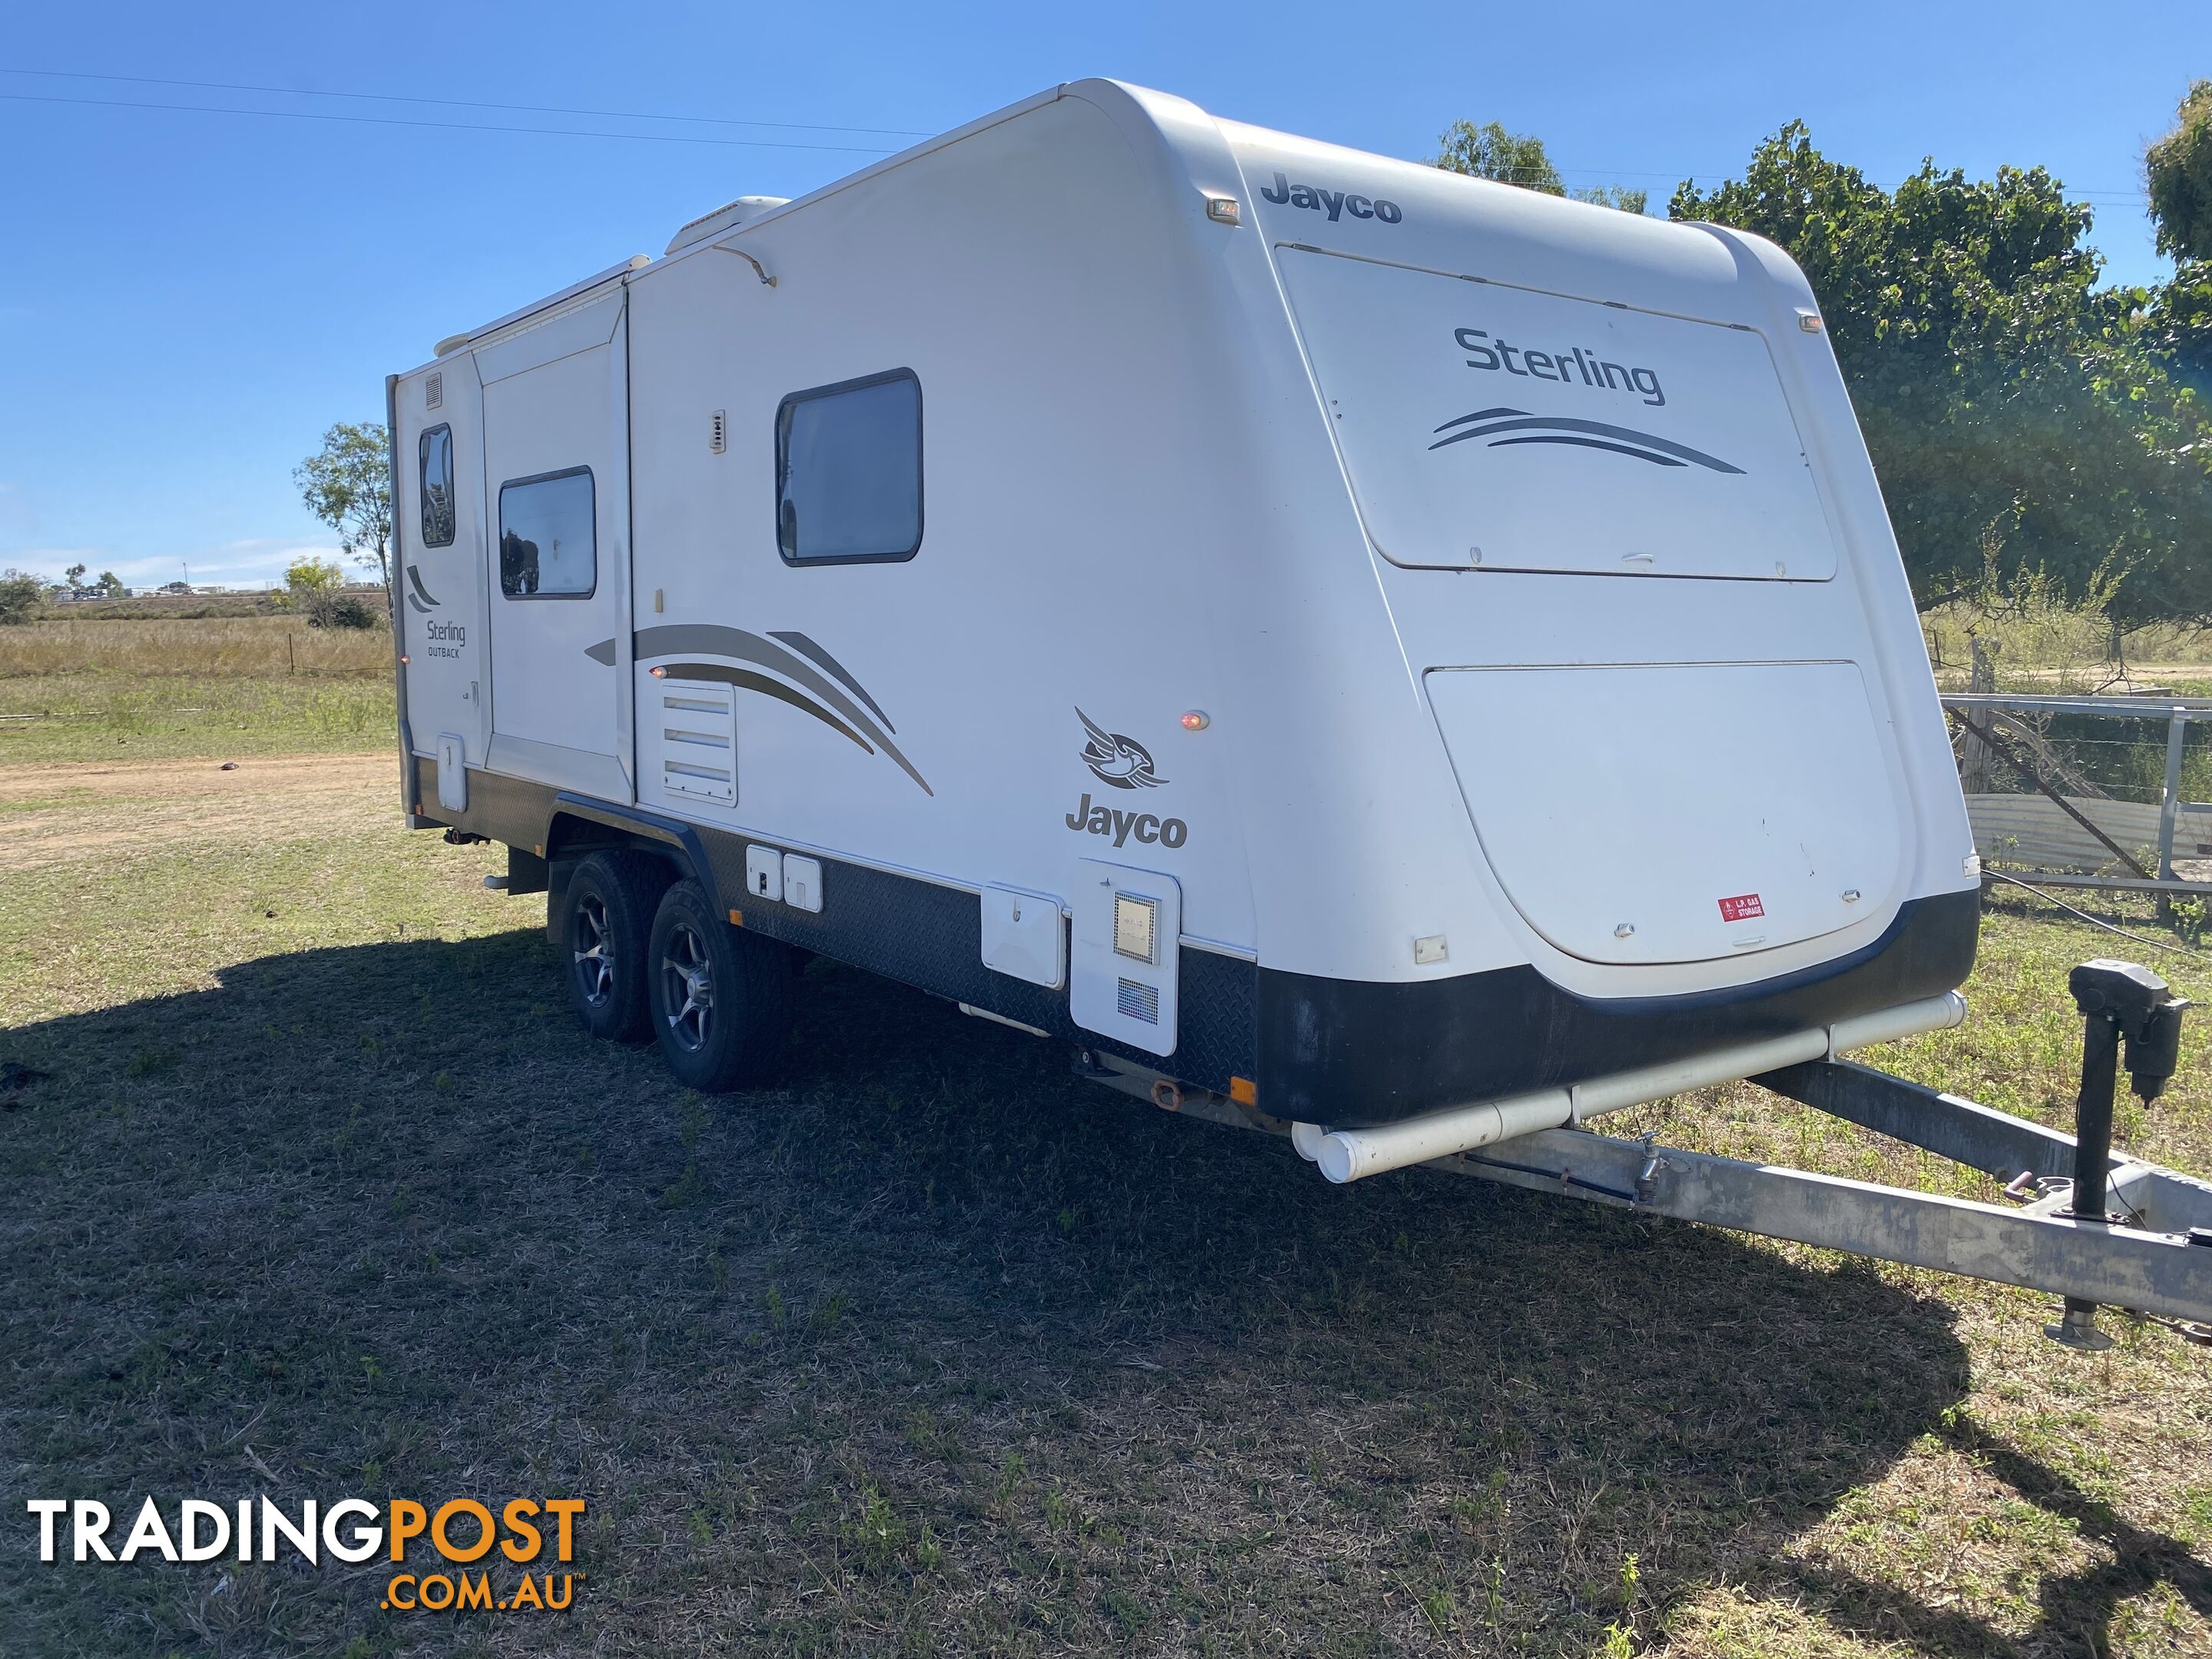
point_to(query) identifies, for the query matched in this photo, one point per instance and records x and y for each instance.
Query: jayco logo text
(1334, 202)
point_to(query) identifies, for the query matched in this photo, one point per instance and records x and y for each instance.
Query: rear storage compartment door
(1678, 813)
(1506, 428)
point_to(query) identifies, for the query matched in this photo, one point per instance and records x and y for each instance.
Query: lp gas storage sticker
(1743, 907)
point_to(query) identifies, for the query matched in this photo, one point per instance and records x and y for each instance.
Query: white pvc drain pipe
(1345, 1155)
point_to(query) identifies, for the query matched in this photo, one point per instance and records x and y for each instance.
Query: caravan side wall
(1173, 466)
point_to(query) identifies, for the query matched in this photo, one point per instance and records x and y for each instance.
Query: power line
(447, 126)
(2127, 194)
(469, 103)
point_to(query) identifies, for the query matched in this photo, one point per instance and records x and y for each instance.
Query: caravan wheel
(610, 900)
(721, 998)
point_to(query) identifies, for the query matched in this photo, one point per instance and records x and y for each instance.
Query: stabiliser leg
(2119, 1001)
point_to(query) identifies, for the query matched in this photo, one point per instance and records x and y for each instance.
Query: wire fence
(2089, 791)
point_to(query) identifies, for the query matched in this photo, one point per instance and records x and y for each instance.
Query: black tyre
(721, 998)
(610, 903)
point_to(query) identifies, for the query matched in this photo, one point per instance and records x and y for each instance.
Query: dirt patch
(52, 813)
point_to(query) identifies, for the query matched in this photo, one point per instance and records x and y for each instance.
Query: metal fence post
(2169, 806)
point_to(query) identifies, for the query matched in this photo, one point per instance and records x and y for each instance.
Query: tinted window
(848, 471)
(437, 486)
(547, 546)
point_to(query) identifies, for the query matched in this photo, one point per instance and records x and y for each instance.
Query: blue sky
(190, 298)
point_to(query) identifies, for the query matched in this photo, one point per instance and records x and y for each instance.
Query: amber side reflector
(1243, 1091)
(736, 919)
(540, 849)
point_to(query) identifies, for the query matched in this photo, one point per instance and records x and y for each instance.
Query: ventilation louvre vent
(717, 430)
(1138, 1002)
(433, 392)
(698, 741)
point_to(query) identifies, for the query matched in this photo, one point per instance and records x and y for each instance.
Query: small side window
(548, 540)
(436, 477)
(848, 472)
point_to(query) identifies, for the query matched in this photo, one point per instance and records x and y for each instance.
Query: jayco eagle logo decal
(1121, 762)
(1117, 760)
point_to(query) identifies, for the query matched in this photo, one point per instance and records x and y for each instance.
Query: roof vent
(723, 218)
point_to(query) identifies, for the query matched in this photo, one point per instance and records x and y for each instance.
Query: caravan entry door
(557, 488)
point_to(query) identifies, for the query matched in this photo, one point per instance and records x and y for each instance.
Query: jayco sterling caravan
(1337, 644)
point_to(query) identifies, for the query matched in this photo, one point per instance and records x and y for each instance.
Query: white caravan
(1380, 650)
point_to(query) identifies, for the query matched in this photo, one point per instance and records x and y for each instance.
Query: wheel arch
(580, 825)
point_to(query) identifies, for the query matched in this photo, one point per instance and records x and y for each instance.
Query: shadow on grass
(933, 1348)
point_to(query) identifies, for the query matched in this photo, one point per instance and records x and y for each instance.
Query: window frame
(423, 483)
(499, 545)
(791, 401)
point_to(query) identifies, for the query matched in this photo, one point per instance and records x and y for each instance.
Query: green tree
(348, 485)
(2176, 316)
(1519, 158)
(20, 593)
(74, 576)
(311, 575)
(1490, 152)
(2174, 321)
(2009, 405)
(110, 584)
(2178, 169)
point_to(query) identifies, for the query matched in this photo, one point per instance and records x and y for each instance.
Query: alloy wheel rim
(595, 961)
(687, 988)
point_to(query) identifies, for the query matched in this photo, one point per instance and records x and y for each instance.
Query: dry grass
(255, 648)
(2039, 640)
(217, 687)
(934, 1349)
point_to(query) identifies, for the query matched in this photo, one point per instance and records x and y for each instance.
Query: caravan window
(848, 472)
(436, 477)
(548, 547)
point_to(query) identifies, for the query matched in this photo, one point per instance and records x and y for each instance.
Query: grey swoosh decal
(418, 604)
(800, 643)
(678, 638)
(1565, 423)
(603, 651)
(750, 681)
(1590, 443)
(415, 581)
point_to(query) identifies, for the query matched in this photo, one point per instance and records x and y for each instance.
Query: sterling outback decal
(1117, 760)
(807, 677)
(1490, 423)
(420, 596)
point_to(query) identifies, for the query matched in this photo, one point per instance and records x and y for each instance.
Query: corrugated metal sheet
(2030, 830)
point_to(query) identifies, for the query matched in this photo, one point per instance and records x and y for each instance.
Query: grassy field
(86, 690)
(936, 1349)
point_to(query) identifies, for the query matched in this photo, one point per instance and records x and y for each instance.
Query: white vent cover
(433, 392)
(699, 740)
(723, 218)
(717, 430)
(1122, 974)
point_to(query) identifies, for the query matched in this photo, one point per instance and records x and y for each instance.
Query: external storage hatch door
(1506, 428)
(1678, 813)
